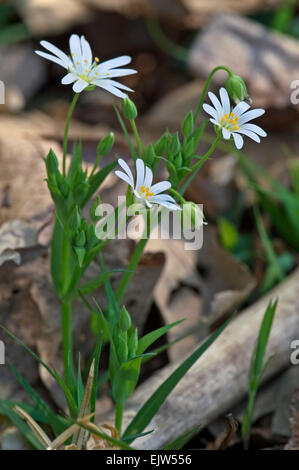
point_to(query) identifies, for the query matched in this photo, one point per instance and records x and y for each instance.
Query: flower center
(84, 77)
(230, 122)
(145, 192)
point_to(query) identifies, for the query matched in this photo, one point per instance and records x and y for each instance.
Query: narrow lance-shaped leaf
(152, 405)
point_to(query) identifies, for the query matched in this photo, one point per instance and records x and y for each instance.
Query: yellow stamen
(97, 59)
(236, 128)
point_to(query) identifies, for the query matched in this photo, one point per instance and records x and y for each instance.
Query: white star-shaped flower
(143, 189)
(84, 71)
(234, 122)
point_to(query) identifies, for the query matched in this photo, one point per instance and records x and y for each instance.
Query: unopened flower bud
(188, 124)
(80, 239)
(74, 220)
(129, 109)
(124, 320)
(192, 216)
(236, 88)
(121, 347)
(150, 155)
(106, 144)
(174, 145)
(161, 144)
(80, 252)
(51, 162)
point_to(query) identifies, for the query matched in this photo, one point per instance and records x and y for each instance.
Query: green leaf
(68, 396)
(80, 385)
(125, 379)
(94, 283)
(96, 357)
(152, 405)
(180, 442)
(76, 162)
(151, 337)
(56, 258)
(263, 337)
(50, 417)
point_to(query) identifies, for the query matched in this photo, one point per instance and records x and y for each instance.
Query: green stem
(131, 269)
(163, 42)
(95, 165)
(207, 84)
(66, 131)
(67, 342)
(66, 311)
(177, 194)
(137, 138)
(119, 416)
(196, 167)
(134, 260)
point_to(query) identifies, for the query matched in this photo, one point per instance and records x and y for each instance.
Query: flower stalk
(66, 131)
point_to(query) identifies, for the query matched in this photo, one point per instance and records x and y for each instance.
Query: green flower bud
(189, 148)
(121, 346)
(150, 155)
(79, 239)
(192, 216)
(62, 184)
(74, 220)
(133, 343)
(129, 108)
(174, 145)
(188, 124)
(124, 320)
(80, 252)
(161, 144)
(106, 144)
(51, 162)
(84, 225)
(236, 88)
(178, 161)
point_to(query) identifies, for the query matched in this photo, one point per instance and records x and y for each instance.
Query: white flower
(234, 122)
(143, 189)
(83, 71)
